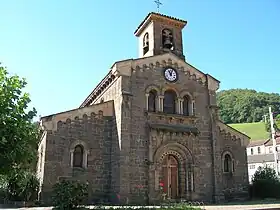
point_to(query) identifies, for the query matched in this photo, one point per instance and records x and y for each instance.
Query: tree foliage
(20, 185)
(18, 134)
(265, 183)
(245, 106)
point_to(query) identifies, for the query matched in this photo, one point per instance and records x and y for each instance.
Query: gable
(164, 60)
(129, 66)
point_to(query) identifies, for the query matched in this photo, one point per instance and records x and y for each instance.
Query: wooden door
(170, 176)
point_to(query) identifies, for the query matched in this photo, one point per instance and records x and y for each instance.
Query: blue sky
(65, 47)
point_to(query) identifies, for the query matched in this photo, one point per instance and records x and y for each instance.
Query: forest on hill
(246, 106)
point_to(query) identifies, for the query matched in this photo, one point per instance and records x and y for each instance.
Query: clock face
(170, 74)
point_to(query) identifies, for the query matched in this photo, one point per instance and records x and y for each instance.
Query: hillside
(246, 106)
(255, 130)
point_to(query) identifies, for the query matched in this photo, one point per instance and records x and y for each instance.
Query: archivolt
(179, 150)
(152, 87)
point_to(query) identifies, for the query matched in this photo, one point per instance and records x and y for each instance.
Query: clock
(170, 74)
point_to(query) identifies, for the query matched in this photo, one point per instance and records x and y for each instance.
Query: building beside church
(261, 154)
(151, 121)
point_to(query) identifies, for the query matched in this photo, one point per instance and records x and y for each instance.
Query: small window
(152, 101)
(186, 105)
(259, 150)
(228, 164)
(252, 167)
(252, 151)
(78, 156)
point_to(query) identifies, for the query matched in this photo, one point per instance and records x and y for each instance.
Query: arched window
(252, 151)
(259, 150)
(152, 101)
(186, 105)
(78, 156)
(145, 43)
(228, 166)
(169, 102)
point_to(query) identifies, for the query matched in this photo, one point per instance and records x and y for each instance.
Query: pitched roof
(257, 143)
(270, 143)
(154, 14)
(262, 158)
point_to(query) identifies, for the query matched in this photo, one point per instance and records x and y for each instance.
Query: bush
(69, 194)
(266, 183)
(22, 186)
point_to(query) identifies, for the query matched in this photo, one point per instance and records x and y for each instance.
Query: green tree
(18, 134)
(245, 106)
(276, 126)
(265, 183)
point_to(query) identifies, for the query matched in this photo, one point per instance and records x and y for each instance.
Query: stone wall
(97, 133)
(233, 186)
(144, 76)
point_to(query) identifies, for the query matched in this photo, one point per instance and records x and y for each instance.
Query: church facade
(149, 130)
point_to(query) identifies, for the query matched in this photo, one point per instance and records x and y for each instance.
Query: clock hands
(170, 72)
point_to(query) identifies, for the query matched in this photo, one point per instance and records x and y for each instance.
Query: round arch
(85, 152)
(152, 87)
(185, 93)
(179, 150)
(169, 88)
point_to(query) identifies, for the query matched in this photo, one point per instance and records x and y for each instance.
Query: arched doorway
(170, 176)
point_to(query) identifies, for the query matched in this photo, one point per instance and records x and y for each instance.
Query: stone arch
(187, 104)
(152, 87)
(185, 167)
(171, 152)
(169, 88)
(85, 152)
(59, 124)
(229, 162)
(175, 148)
(184, 93)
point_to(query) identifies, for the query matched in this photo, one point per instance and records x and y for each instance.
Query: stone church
(148, 131)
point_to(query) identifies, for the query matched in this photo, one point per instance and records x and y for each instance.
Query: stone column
(193, 108)
(147, 101)
(180, 106)
(71, 158)
(160, 100)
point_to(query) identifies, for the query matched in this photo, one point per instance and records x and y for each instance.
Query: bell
(146, 44)
(167, 44)
(146, 47)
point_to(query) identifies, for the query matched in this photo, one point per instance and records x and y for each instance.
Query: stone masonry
(126, 145)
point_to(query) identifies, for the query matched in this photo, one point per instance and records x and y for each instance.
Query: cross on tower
(158, 4)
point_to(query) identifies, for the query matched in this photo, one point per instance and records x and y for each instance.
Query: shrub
(265, 183)
(22, 186)
(69, 194)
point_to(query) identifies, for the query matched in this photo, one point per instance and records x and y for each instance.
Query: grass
(255, 130)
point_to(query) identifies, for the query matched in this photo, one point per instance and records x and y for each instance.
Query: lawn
(255, 130)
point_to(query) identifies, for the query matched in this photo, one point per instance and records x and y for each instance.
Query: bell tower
(159, 34)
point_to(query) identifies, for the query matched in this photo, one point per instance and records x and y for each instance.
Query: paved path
(225, 207)
(245, 207)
